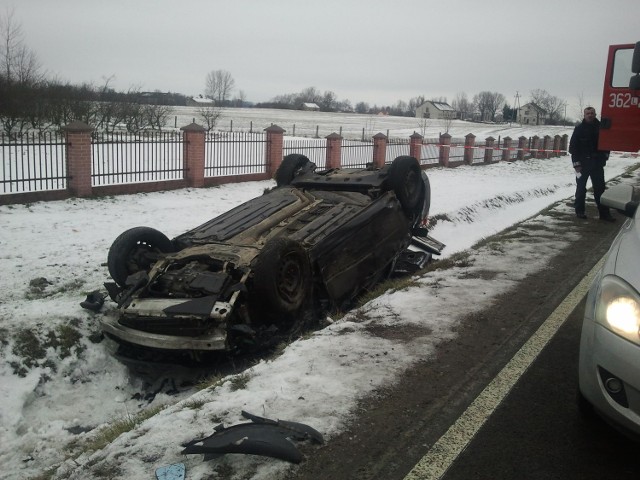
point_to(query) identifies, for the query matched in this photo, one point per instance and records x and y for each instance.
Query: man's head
(589, 114)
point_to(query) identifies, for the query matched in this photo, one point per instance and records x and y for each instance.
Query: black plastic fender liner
(263, 436)
(300, 431)
(247, 438)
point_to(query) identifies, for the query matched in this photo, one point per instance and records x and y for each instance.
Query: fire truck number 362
(622, 100)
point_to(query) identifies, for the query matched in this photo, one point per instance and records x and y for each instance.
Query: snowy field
(59, 384)
(351, 125)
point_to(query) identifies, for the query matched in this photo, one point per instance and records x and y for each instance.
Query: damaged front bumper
(215, 340)
(144, 322)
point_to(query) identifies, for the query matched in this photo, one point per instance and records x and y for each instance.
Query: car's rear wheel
(291, 165)
(406, 181)
(136, 250)
(282, 275)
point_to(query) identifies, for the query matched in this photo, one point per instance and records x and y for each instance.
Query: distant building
(532, 114)
(435, 110)
(310, 106)
(200, 101)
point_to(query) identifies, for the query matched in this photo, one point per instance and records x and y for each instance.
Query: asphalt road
(538, 433)
(535, 432)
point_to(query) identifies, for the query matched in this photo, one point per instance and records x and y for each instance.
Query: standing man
(588, 161)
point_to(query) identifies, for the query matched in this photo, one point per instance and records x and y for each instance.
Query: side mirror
(635, 62)
(623, 198)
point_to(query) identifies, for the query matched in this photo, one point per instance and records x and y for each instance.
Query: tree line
(31, 101)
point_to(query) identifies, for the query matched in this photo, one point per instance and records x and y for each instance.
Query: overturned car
(314, 242)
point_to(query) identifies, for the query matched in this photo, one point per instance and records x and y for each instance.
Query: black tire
(136, 250)
(405, 179)
(290, 166)
(282, 276)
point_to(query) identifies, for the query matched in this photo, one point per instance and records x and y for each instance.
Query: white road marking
(444, 452)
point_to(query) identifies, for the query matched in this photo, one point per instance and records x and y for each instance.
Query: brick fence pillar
(469, 148)
(506, 146)
(415, 146)
(546, 147)
(564, 143)
(445, 147)
(522, 143)
(379, 150)
(334, 150)
(78, 158)
(193, 154)
(556, 145)
(488, 151)
(535, 146)
(274, 148)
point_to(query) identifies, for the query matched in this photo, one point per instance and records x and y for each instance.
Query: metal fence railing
(396, 147)
(146, 157)
(234, 153)
(315, 149)
(356, 154)
(33, 162)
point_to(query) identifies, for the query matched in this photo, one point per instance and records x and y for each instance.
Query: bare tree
(209, 115)
(447, 120)
(157, 115)
(462, 105)
(488, 103)
(18, 63)
(240, 99)
(309, 95)
(550, 103)
(414, 103)
(423, 124)
(328, 101)
(218, 86)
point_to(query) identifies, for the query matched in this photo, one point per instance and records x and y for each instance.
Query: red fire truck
(620, 114)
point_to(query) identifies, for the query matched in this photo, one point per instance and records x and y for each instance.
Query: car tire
(136, 250)
(282, 276)
(290, 166)
(405, 179)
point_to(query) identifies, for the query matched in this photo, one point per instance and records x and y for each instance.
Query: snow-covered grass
(60, 386)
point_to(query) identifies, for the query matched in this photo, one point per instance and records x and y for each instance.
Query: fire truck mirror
(635, 63)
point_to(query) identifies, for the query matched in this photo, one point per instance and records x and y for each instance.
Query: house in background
(200, 101)
(313, 107)
(532, 114)
(436, 110)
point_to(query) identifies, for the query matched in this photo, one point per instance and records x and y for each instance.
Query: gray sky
(377, 51)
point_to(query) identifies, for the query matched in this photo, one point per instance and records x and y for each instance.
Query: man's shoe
(607, 218)
(582, 216)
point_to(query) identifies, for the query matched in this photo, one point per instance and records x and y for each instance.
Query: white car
(609, 364)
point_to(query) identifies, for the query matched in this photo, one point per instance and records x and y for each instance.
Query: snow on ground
(59, 383)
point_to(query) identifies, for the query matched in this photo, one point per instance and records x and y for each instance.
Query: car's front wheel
(282, 276)
(405, 179)
(136, 250)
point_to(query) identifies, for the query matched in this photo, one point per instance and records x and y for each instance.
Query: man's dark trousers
(596, 173)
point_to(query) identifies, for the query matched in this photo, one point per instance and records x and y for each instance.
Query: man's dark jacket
(583, 146)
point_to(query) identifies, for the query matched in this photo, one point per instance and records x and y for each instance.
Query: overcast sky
(377, 51)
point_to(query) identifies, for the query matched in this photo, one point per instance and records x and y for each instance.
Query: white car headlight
(618, 308)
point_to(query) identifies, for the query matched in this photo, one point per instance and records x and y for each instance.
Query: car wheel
(405, 179)
(282, 275)
(136, 250)
(290, 166)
